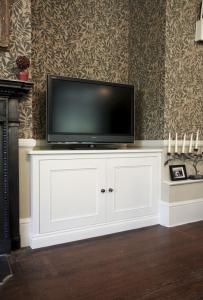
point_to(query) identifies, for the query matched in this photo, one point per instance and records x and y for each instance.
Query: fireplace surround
(11, 92)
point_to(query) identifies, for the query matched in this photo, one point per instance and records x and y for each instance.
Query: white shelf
(181, 182)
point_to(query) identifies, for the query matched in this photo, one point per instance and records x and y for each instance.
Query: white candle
(191, 142)
(184, 140)
(169, 143)
(176, 143)
(197, 140)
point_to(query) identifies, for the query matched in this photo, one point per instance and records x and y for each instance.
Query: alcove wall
(147, 43)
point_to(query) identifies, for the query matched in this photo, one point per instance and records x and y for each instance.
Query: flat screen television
(89, 112)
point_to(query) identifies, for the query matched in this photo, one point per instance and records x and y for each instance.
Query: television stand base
(94, 147)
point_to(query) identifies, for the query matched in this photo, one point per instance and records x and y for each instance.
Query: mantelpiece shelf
(13, 87)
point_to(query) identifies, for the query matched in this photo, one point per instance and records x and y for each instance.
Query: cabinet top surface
(119, 151)
(182, 182)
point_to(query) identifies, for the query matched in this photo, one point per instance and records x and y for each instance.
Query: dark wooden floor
(152, 263)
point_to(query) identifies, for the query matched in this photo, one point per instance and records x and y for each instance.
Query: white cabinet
(81, 194)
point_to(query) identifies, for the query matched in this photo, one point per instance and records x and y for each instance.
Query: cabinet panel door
(136, 187)
(70, 193)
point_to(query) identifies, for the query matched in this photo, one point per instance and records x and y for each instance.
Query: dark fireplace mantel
(11, 92)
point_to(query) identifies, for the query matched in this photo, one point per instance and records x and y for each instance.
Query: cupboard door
(133, 187)
(70, 193)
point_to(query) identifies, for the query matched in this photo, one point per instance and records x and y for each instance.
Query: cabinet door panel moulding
(134, 180)
(70, 193)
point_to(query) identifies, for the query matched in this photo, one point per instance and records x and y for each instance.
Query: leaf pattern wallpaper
(183, 111)
(147, 66)
(147, 43)
(85, 39)
(20, 44)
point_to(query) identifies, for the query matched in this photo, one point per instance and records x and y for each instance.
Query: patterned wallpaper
(147, 66)
(20, 43)
(149, 43)
(86, 39)
(184, 69)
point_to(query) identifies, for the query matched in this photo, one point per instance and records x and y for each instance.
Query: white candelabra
(193, 154)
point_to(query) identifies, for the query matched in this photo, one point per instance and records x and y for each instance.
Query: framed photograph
(4, 23)
(178, 172)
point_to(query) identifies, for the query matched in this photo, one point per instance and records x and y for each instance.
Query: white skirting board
(171, 214)
(65, 236)
(25, 231)
(59, 237)
(179, 213)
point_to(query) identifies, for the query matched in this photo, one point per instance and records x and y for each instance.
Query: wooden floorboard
(145, 264)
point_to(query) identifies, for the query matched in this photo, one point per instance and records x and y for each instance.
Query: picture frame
(178, 172)
(4, 23)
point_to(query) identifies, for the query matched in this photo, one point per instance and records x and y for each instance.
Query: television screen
(85, 111)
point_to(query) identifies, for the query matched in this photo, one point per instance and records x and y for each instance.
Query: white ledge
(181, 182)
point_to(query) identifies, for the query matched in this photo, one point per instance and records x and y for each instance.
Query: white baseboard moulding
(171, 215)
(182, 212)
(65, 236)
(25, 232)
